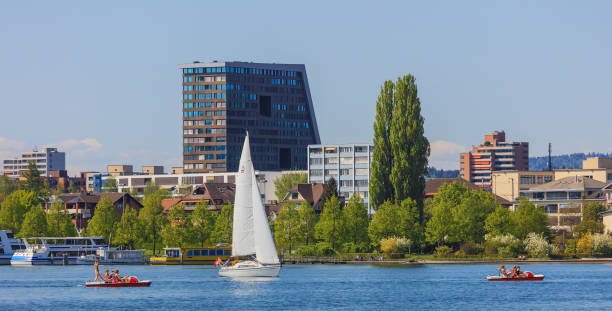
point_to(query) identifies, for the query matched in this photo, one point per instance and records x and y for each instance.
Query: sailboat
(251, 235)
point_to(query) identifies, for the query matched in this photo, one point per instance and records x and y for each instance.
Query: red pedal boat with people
(515, 275)
(114, 280)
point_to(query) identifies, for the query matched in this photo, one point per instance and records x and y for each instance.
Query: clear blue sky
(100, 78)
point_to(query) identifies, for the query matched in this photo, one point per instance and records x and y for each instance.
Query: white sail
(242, 233)
(265, 249)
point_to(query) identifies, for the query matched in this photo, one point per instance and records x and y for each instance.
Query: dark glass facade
(223, 100)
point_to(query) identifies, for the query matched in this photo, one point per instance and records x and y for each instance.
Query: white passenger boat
(8, 246)
(55, 251)
(108, 256)
(251, 235)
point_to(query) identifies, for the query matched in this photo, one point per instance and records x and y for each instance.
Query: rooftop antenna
(550, 157)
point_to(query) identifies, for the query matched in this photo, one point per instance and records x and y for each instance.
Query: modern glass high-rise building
(221, 100)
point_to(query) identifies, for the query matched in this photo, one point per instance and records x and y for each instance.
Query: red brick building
(495, 154)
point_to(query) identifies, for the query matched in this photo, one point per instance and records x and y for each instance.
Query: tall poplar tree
(382, 160)
(409, 146)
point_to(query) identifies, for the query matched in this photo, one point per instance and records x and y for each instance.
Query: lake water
(312, 287)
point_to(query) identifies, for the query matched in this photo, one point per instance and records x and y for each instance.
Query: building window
(346, 183)
(346, 171)
(361, 172)
(316, 172)
(220, 157)
(331, 172)
(557, 195)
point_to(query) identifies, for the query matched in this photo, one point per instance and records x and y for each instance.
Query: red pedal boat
(529, 277)
(134, 282)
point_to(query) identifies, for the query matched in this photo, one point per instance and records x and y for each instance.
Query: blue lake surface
(312, 287)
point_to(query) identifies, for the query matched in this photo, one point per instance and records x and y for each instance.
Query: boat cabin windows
(193, 252)
(172, 252)
(9, 235)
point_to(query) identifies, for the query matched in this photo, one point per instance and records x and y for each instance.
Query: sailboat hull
(250, 271)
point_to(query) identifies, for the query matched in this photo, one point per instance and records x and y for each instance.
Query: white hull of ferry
(269, 271)
(35, 261)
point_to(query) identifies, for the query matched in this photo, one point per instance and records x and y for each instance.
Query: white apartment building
(349, 164)
(47, 159)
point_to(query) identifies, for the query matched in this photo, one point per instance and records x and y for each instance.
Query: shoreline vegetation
(445, 261)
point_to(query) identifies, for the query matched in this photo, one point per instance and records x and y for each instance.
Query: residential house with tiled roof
(216, 195)
(81, 206)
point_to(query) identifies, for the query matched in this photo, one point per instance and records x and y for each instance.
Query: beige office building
(510, 185)
(120, 170)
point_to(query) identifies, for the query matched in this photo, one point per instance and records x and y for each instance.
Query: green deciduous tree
(396, 220)
(528, 218)
(35, 223)
(286, 227)
(224, 225)
(591, 219)
(7, 186)
(110, 185)
(288, 181)
(150, 188)
(381, 188)
(177, 229)
(203, 222)
(129, 229)
(499, 222)
(308, 220)
(355, 216)
(330, 227)
(14, 208)
(409, 146)
(459, 214)
(59, 222)
(104, 221)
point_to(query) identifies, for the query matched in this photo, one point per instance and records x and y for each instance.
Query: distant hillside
(570, 161)
(436, 173)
